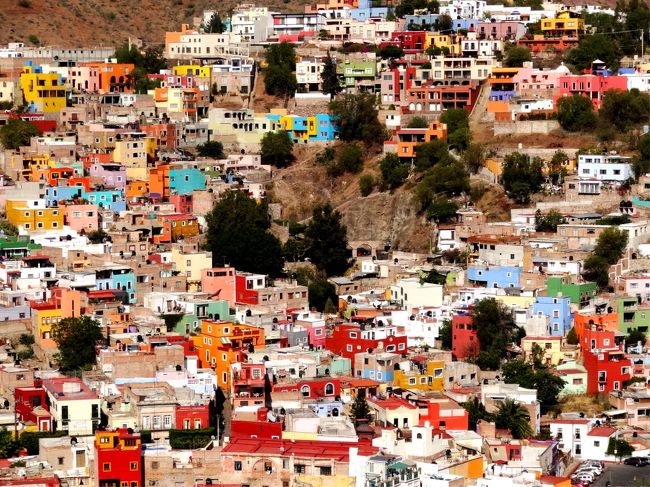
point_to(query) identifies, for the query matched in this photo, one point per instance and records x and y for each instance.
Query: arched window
(305, 391)
(335, 412)
(329, 389)
(419, 436)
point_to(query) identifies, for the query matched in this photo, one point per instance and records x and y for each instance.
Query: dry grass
(582, 403)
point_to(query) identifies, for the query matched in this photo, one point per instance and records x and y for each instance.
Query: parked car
(584, 477)
(636, 461)
(590, 469)
(596, 463)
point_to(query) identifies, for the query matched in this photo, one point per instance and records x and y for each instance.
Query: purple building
(110, 175)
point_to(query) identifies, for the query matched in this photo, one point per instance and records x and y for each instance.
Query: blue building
(184, 180)
(117, 277)
(54, 194)
(365, 13)
(322, 126)
(459, 24)
(428, 19)
(494, 276)
(108, 199)
(558, 311)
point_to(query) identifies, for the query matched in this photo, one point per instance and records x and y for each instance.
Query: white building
(596, 170)
(571, 434)
(308, 73)
(594, 446)
(464, 9)
(251, 23)
(410, 293)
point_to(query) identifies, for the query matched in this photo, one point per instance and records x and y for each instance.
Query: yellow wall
(402, 380)
(44, 90)
(182, 70)
(519, 301)
(329, 481)
(32, 219)
(472, 469)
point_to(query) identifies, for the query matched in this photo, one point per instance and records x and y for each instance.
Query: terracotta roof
(550, 479)
(392, 403)
(604, 431)
(569, 421)
(298, 448)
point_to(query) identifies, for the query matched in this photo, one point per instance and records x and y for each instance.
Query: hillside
(75, 23)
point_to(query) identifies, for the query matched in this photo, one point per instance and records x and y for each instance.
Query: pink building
(531, 80)
(81, 217)
(592, 86)
(110, 175)
(638, 286)
(219, 283)
(84, 78)
(316, 331)
(174, 80)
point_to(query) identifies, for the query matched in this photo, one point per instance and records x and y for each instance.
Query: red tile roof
(392, 403)
(569, 421)
(604, 431)
(550, 479)
(298, 448)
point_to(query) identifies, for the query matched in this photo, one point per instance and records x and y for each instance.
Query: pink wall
(82, 217)
(220, 283)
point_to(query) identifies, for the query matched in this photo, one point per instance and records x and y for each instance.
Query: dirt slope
(75, 23)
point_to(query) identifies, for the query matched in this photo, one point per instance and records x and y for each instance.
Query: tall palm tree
(513, 416)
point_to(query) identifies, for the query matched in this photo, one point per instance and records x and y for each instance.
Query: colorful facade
(118, 458)
(42, 92)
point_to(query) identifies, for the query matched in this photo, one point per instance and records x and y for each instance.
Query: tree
(445, 334)
(457, 120)
(407, 7)
(327, 240)
(391, 52)
(575, 113)
(596, 269)
(280, 81)
(97, 236)
(8, 229)
(359, 408)
(634, 337)
(418, 123)
(431, 153)
(8, 445)
(495, 329)
(277, 149)
(76, 339)
(548, 386)
(449, 179)
(350, 159)
(320, 292)
(357, 118)
(330, 78)
(294, 249)
(625, 109)
(442, 210)
(393, 171)
(644, 146)
(556, 170)
(592, 47)
(282, 54)
(521, 177)
(611, 244)
(474, 158)
(516, 56)
(548, 222)
(476, 412)
(513, 416)
(619, 448)
(444, 24)
(17, 133)
(572, 337)
(26, 339)
(366, 184)
(212, 149)
(237, 222)
(215, 25)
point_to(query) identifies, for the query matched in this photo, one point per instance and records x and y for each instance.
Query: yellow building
(551, 348)
(44, 316)
(134, 151)
(192, 70)
(442, 41)
(42, 92)
(32, 215)
(191, 264)
(425, 377)
(565, 23)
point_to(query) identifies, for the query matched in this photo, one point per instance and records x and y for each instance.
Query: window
(305, 390)
(106, 467)
(348, 348)
(60, 460)
(412, 381)
(353, 334)
(596, 444)
(238, 465)
(326, 470)
(133, 465)
(167, 421)
(329, 389)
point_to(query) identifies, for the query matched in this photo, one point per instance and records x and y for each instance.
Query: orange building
(159, 182)
(176, 227)
(164, 133)
(137, 189)
(51, 175)
(113, 77)
(409, 139)
(597, 322)
(222, 343)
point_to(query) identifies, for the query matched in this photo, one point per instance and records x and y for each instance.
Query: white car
(590, 469)
(583, 477)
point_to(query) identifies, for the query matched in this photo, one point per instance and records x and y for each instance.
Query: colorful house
(112, 77)
(184, 180)
(42, 92)
(109, 175)
(551, 348)
(222, 343)
(321, 126)
(579, 293)
(464, 338)
(591, 86)
(31, 407)
(355, 71)
(424, 375)
(607, 370)
(192, 70)
(118, 458)
(632, 315)
(566, 23)
(347, 339)
(409, 139)
(81, 218)
(31, 215)
(558, 311)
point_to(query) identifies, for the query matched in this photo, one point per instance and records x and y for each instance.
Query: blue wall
(558, 311)
(499, 276)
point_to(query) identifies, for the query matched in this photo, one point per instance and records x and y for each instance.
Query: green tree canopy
(212, 149)
(320, 292)
(619, 448)
(521, 177)
(634, 337)
(391, 52)
(393, 171)
(625, 109)
(277, 149)
(476, 412)
(351, 158)
(442, 210)
(548, 385)
(516, 56)
(418, 123)
(576, 113)
(8, 229)
(450, 179)
(366, 184)
(474, 157)
(549, 221)
(17, 133)
(327, 240)
(357, 118)
(330, 78)
(238, 223)
(407, 7)
(215, 25)
(279, 76)
(76, 339)
(593, 47)
(431, 153)
(611, 244)
(359, 408)
(513, 416)
(572, 336)
(445, 335)
(496, 329)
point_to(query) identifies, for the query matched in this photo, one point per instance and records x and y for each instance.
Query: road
(624, 476)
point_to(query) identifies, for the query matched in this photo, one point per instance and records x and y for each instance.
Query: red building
(250, 425)
(395, 81)
(607, 369)
(247, 287)
(167, 340)
(438, 96)
(348, 339)
(313, 388)
(464, 338)
(539, 43)
(408, 40)
(248, 382)
(31, 406)
(165, 134)
(194, 417)
(118, 456)
(182, 203)
(592, 86)
(446, 415)
(598, 339)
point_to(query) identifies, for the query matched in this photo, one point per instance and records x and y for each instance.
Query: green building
(355, 71)
(631, 315)
(16, 247)
(201, 309)
(579, 293)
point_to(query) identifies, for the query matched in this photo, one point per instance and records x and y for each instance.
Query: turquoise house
(184, 180)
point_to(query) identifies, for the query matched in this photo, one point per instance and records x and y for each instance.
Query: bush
(366, 184)
(190, 439)
(350, 159)
(393, 171)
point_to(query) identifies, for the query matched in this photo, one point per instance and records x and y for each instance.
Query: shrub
(366, 184)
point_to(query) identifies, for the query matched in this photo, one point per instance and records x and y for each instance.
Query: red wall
(316, 387)
(450, 422)
(613, 368)
(464, 339)
(340, 339)
(255, 429)
(243, 295)
(192, 413)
